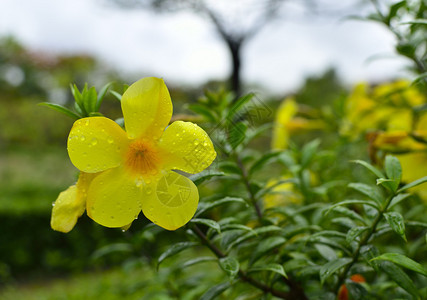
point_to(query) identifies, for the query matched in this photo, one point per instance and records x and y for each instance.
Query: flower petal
(114, 198)
(66, 210)
(171, 201)
(147, 108)
(71, 204)
(186, 147)
(96, 144)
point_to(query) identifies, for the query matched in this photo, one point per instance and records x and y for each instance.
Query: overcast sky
(184, 47)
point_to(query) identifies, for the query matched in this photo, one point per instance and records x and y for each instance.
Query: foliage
(335, 208)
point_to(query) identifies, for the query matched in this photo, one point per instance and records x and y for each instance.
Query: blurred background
(313, 49)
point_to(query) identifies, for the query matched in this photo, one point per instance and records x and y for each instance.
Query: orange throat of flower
(142, 158)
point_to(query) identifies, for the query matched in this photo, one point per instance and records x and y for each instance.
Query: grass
(111, 284)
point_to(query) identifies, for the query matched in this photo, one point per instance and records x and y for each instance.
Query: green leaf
(403, 261)
(394, 9)
(331, 267)
(350, 202)
(61, 109)
(237, 134)
(390, 184)
(116, 95)
(400, 277)
(197, 260)
(205, 175)
(349, 213)
(367, 191)
(308, 152)
(354, 232)
(204, 207)
(216, 290)
(326, 252)
(264, 159)
(413, 184)
(78, 98)
(238, 105)
(393, 169)
(255, 232)
(422, 76)
(230, 265)
(175, 249)
(90, 99)
(266, 245)
(416, 22)
(203, 111)
(369, 252)
(370, 167)
(275, 268)
(79, 110)
(236, 226)
(101, 95)
(207, 222)
(397, 223)
(397, 199)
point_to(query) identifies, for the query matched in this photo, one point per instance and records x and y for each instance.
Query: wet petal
(147, 108)
(171, 201)
(66, 210)
(114, 198)
(186, 147)
(96, 144)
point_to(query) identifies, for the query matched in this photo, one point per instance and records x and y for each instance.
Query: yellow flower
(287, 123)
(287, 110)
(387, 107)
(71, 204)
(399, 93)
(413, 168)
(396, 141)
(137, 164)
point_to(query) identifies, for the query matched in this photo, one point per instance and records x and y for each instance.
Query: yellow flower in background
(396, 141)
(71, 204)
(287, 123)
(413, 168)
(399, 93)
(387, 107)
(137, 164)
(286, 111)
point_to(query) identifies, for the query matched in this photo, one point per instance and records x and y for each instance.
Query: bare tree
(236, 22)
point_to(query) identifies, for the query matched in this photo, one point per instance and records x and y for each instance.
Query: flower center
(142, 159)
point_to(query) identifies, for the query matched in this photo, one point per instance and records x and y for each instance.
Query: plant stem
(295, 292)
(362, 243)
(246, 182)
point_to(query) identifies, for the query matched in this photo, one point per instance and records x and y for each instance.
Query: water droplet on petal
(87, 123)
(94, 141)
(82, 138)
(110, 140)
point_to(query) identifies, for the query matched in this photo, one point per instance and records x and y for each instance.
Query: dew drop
(94, 141)
(87, 123)
(82, 138)
(53, 204)
(110, 140)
